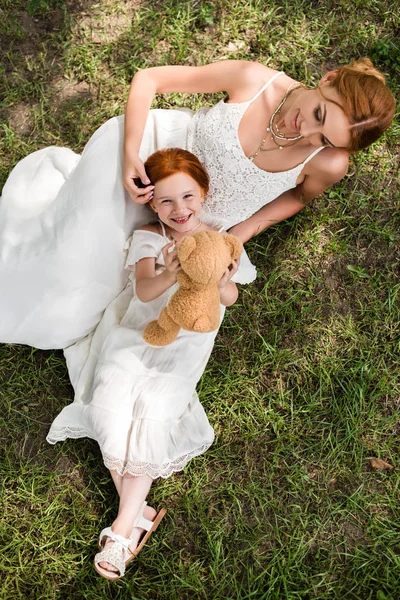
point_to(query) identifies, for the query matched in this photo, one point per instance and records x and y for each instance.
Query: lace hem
(138, 468)
(130, 467)
(59, 434)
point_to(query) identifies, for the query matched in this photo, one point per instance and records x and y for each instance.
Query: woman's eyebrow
(324, 117)
(329, 142)
(323, 123)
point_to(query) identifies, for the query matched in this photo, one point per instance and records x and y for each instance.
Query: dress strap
(313, 154)
(163, 228)
(264, 87)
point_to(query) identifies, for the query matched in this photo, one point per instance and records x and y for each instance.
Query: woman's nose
(309, 129)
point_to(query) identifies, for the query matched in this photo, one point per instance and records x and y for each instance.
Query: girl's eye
(188, 195)
(165, 201)
(317, 114)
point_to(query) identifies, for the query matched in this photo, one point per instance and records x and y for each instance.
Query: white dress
(140, 404)
(64, 219)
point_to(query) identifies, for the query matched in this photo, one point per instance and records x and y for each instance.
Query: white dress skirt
(64, 220)
(137, 401)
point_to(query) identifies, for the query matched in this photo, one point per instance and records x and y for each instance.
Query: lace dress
(141, 405)
(64, 219)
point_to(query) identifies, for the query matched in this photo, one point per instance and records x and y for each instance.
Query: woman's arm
(238, 78)
(329, 169)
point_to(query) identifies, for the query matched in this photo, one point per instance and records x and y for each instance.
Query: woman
(269, 150)
(266, 139)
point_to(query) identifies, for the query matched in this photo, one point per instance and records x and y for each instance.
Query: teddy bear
(195, 306)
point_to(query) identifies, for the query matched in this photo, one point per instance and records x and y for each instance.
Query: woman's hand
(172, 264)
(134, 170)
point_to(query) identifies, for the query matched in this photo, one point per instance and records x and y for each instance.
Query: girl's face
(177, 201)
(318, 119)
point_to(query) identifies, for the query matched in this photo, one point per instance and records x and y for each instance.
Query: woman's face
(317, 118)
(177, 201)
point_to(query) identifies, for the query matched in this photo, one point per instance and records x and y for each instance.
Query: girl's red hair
(164, 163)
(366, 101)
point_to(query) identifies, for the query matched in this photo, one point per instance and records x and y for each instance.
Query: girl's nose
(178, 204)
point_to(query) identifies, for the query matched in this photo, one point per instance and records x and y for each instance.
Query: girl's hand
(229, 273)
(172, 265)
(134, 170)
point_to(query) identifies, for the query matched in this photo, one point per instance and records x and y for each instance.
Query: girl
(271, 147)
(140, 402)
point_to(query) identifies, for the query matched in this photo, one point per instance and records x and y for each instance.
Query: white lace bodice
(238, 187)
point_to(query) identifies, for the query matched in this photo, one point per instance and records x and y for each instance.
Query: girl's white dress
(137, 401)
(64, 218)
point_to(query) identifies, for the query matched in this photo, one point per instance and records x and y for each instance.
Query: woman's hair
(366, 101)
(167, 162)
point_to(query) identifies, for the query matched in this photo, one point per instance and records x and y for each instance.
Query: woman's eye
(317, 114)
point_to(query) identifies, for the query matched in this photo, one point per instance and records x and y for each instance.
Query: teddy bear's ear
(235, 245)
(186, 247)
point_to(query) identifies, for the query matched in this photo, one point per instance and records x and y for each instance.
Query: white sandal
(119, 555)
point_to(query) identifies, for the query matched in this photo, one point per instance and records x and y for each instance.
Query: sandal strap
(124, 542)
(140, 521)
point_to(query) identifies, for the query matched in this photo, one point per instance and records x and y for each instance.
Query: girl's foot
(135, 535)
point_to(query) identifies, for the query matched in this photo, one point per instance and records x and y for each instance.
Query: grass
(302, 387)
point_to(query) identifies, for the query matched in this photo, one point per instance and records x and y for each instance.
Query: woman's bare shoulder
(331, 163)
(253, 69)
(250, 77)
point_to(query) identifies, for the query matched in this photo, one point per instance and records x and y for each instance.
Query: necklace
(273, 130)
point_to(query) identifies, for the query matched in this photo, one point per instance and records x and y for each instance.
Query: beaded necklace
(273, 130)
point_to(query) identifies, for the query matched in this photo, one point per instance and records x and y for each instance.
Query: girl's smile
(177, 201)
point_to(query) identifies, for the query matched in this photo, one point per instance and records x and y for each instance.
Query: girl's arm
(228, 291)
(149, 285)
(238, 78)
(329, 167)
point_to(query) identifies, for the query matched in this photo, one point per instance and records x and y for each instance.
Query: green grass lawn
(303, 385)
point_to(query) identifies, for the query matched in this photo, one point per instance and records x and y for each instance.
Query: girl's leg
(117, 479)
(132, 492)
